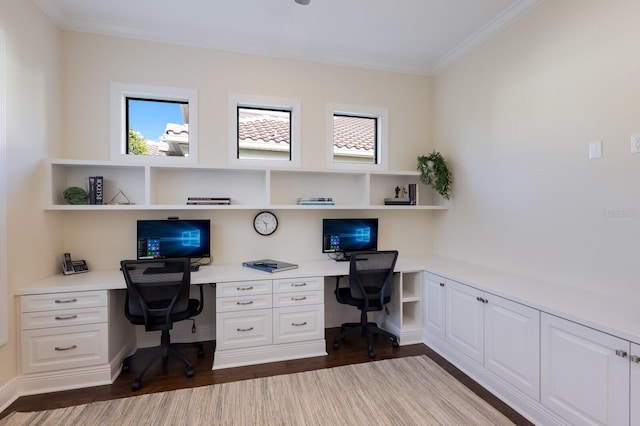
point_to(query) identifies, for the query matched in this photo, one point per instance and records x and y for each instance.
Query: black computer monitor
(345, 236)
(166, 239)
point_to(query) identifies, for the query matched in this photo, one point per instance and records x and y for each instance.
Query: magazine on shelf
(269, 265)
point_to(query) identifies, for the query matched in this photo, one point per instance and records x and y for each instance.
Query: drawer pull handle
(244, 288)
(441, 284)
(297, 299)
(245, 303)
(244, 329)
(298, 284)
(635, 358)
(74, 300)
(298, 324)
(68, 348)
(621, 353)
(68, 317)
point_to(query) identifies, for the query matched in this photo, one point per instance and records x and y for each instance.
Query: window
(357, 137)
(153, 124)
(264, 131)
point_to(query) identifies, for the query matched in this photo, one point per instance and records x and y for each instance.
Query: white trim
(293, 105)
(486, 33)
(382, 144)
(118, 94)
(4, 308)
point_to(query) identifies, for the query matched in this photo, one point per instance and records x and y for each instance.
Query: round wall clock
(265, 223)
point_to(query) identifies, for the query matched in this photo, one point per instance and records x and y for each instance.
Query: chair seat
(157, 323)
(344, 295)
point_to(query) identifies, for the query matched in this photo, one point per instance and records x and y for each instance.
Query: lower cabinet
(498, 334)
(586, 374)
(269, 320)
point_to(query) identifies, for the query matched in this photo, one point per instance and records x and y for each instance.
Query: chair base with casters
(365, 329)
(154, 354)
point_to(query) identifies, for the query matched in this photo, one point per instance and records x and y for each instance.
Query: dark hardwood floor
(159, 379)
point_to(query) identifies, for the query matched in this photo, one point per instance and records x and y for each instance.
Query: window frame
(381, 154)
(119, 92)
(237, 101)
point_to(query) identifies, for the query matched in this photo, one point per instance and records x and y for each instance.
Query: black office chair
(370, 286)
(158, 296)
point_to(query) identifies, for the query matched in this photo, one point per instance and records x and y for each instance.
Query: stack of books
(204, 201)
(96, 190)
(270, 265)
(316, 201)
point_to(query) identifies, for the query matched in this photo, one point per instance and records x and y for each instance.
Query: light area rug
(402, 391)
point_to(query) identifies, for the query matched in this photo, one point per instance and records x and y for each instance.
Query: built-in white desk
(518, 336)
(73, 331)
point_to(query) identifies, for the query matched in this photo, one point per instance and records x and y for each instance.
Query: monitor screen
(164, 239)
(344, 236)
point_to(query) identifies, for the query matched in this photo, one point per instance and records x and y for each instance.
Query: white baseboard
(8, 393)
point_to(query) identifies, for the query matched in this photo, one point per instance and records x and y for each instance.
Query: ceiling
(410, 36)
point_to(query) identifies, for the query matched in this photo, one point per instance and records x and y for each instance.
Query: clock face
(265, 223)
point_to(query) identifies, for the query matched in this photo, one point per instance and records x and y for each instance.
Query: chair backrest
(371, 275)
(156, 288)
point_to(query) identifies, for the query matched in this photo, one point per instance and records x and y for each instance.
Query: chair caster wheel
(190, 372)
(395, 344)
(125, 368)
(136, 386)
(201, 353)
(336, 345)
(372, 354)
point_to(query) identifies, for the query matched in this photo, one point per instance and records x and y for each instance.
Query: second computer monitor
(345, 236)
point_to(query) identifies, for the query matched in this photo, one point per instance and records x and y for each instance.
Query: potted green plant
(435, 173)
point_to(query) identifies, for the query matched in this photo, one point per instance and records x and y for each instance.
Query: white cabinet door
(435, 302)
(512, 343)
(635, 384)
(465, 319)
(584, 373)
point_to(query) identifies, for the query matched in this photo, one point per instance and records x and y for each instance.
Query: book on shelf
(315, 201)
(397, 202)
(96, 190)
(269, 265)
(413, 193)
(203, 201)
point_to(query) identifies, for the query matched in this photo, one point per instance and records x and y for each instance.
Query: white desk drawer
(59, 348)
(298, 298)
(298, 284)
(243, 329)
(58, 301)
(44, 319)
(295, 324)
(243, 303)
(243, 288)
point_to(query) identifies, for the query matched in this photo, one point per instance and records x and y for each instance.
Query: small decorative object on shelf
(316, 201)
(75, 195)
(203, 201)
(435, 173)
(409, 196)
(120, 195)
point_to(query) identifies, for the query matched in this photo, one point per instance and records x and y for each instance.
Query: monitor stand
(342, 257)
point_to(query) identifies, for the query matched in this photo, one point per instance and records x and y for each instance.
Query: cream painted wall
(92, 61)
(33, 91)
(515, 119)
